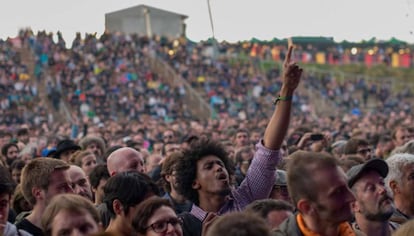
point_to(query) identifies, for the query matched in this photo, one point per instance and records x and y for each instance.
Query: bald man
(125, 159)
(80, 182)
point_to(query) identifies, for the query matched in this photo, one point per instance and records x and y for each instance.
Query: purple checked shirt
(257, 184)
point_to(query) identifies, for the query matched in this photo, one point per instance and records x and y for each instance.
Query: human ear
(394, 186)
(196, 185)
(304, 206)
(117, 206)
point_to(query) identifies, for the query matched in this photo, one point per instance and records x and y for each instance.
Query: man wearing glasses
(359, 147)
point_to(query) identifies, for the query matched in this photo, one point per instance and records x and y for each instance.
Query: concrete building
(146, 20)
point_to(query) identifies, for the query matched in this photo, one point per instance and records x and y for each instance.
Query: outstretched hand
(291, 71)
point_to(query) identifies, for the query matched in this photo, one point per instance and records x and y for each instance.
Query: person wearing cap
(65, 148)
(95, 144)
(280, 189)
(400, 181)
(373, 206)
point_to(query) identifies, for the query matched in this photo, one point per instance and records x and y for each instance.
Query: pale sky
(234, 20)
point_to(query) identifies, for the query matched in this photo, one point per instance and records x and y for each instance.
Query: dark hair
(351, 146)
(187, 166)
(6, 147)
(22, 131)
(265, 206)
(167, 168)
(130, 188)
(6, 182)
(99, 172)
(17, 165)
(146, 210)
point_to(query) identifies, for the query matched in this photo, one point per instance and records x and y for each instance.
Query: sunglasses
(162, 225)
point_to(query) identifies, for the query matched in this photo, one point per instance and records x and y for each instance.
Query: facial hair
(381, 214)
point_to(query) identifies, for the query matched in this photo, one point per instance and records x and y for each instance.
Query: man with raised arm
(203, 174)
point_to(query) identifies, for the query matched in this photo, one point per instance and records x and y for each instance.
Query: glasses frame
(173, 221)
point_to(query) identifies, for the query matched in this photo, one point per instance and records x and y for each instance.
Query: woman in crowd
(155, 216)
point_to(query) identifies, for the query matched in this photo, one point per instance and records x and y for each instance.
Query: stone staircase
(28, 59)
(198, 106)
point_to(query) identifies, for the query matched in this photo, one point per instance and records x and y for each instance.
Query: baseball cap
(280, 178)
(357, 171)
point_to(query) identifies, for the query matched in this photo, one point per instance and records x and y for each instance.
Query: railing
(198, 106)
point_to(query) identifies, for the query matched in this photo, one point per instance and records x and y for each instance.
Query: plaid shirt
(257, 184)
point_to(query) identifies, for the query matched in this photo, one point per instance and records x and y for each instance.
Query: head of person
(239, 224)
(94, 144)
(98, 178)
(85, 159)
(400, 135)
(16, 170)
(6, 191)
(124, 191)
(400, 179)
(5, 137)
(19, 203)
(318, 187)
(359, 147)
(65, 149)
(244, 155)
(156, 216)
(204, 168)
(158, 147)
(372, 201)
(10, 152)
(23, 135)
(43, 178)
(70, 214)
(80, 182)
(274, 212)
(408, 147)
(168, 136)
(241, 138)
(152, 161)
(280, 189)
(168, 171)
(170, 148)
(255, 136)
(125, 159)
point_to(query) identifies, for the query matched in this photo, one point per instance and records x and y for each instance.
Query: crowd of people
(139, 164)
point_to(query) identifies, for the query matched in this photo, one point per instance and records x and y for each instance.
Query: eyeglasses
(162, 225)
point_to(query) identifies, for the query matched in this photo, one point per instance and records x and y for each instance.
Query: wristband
(282, 98)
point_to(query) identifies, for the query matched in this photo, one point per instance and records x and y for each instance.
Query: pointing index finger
(289, 53)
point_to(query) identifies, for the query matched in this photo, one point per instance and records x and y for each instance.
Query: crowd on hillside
(283, 172)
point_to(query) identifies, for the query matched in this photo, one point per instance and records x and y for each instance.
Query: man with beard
(319, 191)
(373, 206)
(80, 182)
(203, 173)
(10, 152)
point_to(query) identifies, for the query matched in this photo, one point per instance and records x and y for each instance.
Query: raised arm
(278, 125)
